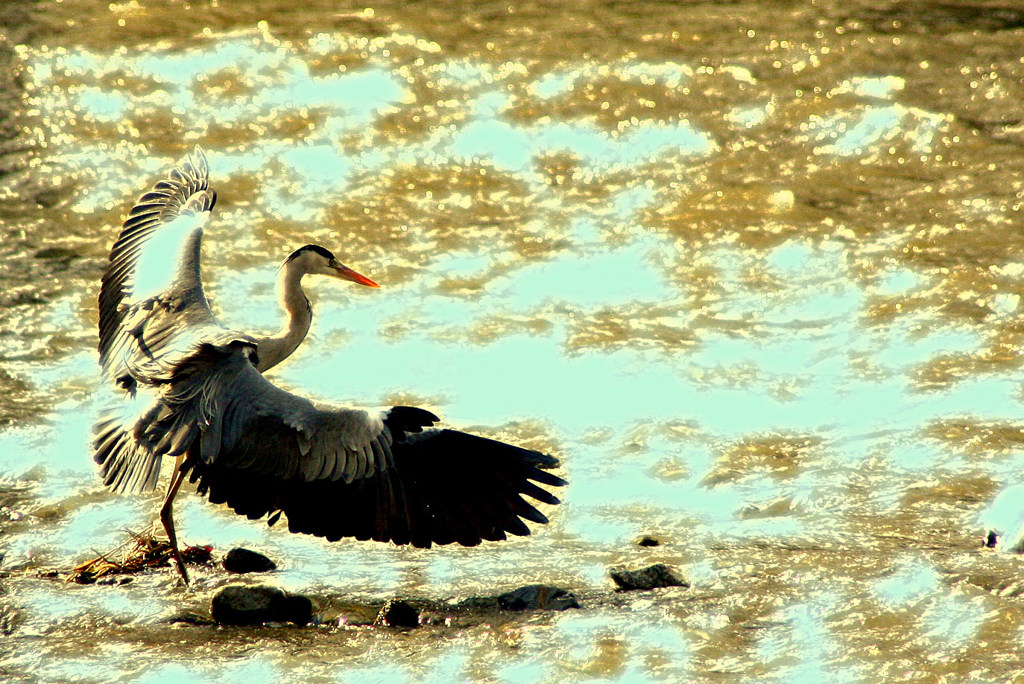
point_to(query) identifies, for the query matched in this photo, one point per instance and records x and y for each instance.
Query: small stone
(398, 613)
(240, 604)
(648, 540)
(538, 597)
(652, 577)
(244, 560)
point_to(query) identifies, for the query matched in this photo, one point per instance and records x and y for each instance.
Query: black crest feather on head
(325, 253)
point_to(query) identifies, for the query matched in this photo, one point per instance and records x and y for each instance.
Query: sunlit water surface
(760, 296)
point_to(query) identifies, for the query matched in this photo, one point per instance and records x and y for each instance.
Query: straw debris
(141, 552)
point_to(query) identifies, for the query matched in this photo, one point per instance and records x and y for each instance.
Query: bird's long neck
(276, 348)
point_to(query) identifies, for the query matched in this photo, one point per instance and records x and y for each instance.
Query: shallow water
(754, 277)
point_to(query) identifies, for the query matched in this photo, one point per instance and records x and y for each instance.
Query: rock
(398, 613)
(480, 603)
(652, 577)
(244, 560)
(538, 597)
(241, 604)
(648, 540)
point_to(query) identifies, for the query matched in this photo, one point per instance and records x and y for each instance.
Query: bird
(184, 388)
(1003, 521)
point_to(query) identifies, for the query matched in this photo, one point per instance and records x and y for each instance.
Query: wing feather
(168, 218)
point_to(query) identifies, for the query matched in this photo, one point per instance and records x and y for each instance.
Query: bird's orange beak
(346, 273)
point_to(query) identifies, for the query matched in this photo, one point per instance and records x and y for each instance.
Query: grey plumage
(191, 390)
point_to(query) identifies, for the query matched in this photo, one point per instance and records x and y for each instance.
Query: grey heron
(193, 391)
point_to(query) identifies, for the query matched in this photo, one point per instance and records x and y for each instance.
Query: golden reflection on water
(754, 277)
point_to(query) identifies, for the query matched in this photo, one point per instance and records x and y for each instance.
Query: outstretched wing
(446, 486)
(334, 472)
(151, 301)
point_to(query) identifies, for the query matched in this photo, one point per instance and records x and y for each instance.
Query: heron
(189, 390)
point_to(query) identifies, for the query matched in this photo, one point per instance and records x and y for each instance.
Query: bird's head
(314, 259)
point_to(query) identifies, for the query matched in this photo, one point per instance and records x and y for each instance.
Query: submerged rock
(59, 253)
(243, 560)
(538, 597)
(651, 577)
(479, 603)
(48, 198)
(648, 540)
(398, 613)
(240, 604)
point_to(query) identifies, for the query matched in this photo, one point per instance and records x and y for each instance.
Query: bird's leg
(167, 517)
